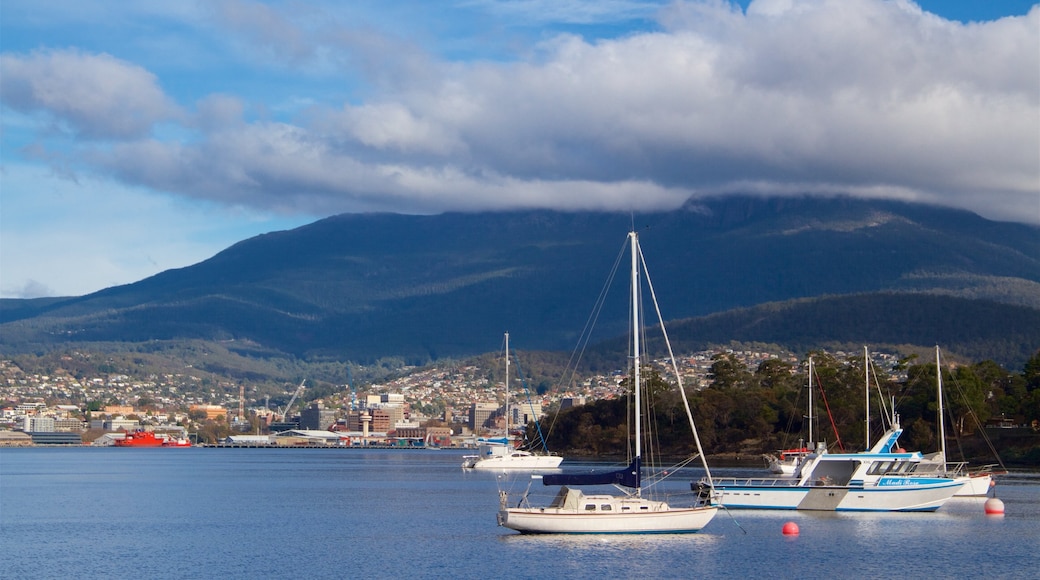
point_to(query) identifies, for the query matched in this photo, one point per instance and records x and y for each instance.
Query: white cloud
(837, 96)
(853, 95)
(96, 95)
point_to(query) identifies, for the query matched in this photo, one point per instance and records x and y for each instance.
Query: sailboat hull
(975, 485)
(573, 512)
(520, 461)
(558, 521)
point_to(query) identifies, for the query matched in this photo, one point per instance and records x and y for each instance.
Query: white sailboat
(977, 482)
(574, 512)
(501, 454)
(787, 461)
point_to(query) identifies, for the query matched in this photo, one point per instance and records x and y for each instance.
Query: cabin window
(605, 507)
(590, 507)
(880, 467)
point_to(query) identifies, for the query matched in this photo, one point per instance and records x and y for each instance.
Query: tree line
(750, 412)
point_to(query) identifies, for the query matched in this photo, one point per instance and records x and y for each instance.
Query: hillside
(362, 287)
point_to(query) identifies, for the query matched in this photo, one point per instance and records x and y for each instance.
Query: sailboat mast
(866, 395)
(810, 440)
(507, 388)
(942, 417)
(635, 346)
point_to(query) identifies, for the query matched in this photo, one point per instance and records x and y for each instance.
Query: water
(311, 513)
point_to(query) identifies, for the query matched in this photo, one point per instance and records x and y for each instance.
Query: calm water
(259, 513)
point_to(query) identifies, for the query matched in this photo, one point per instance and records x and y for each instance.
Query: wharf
(316, 446)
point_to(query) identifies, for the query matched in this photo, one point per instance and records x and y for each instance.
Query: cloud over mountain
(875, 99)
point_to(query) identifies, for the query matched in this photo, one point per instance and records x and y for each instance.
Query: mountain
(364, 286)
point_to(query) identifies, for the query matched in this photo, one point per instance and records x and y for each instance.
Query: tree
(1031, 372)
(727, 372)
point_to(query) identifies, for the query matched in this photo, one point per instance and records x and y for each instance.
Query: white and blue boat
(882, 479)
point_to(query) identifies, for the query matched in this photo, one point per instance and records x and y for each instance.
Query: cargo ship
(141, 438)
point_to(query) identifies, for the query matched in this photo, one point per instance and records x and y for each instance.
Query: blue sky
(149, 135)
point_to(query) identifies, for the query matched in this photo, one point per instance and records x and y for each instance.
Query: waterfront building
(316, 416)
(38, 424)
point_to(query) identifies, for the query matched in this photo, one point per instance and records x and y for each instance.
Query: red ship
(141, 438)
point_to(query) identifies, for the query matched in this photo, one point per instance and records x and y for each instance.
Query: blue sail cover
(627, 477)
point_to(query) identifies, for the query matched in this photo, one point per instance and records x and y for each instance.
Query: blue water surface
(339, 513)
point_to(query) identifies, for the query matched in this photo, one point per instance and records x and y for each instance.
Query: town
(438, 406)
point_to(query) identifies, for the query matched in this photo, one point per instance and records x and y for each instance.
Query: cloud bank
(857, 97)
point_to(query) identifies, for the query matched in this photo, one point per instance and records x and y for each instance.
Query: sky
(137, 137)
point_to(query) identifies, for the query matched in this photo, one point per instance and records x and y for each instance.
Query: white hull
(518, 462)
(890, 494)
(499, 456)
(606, 514)
(974, 485)
(786, 466)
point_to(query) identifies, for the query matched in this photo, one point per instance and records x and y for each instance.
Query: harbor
(379, 514)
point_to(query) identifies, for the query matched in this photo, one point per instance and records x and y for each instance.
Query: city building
(480, 414)
(317, 417)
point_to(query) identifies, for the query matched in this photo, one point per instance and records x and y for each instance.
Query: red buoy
(994, 507)
(790, 529)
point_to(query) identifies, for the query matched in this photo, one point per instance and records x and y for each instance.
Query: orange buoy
(994, 507)
(790, 529)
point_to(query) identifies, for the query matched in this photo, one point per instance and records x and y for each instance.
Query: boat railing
(755, 482)
(988, 469)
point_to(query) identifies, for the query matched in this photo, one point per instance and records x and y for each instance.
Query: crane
(353, 391)
(285, 415)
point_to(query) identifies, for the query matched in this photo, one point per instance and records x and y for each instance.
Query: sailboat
(978, 482)
(787, 461)
(574, 512)
(500, 454)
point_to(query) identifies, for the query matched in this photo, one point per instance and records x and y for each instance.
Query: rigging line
(586, 333)
(885, 416)
(652, 438)
(665, 474)
(790, 421)
(530, 403)
(675, 368)
(978, 424)
(730, 514)
(827, 406)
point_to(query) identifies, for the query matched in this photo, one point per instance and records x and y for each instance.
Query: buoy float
(994, 507)
(790, 529)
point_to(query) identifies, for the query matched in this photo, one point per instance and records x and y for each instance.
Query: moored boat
(884, 478)
(496, 455)
(881, 479)
(501, 454)
(142, 438)
(572, 511)
(976, 482)
(786, 461)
